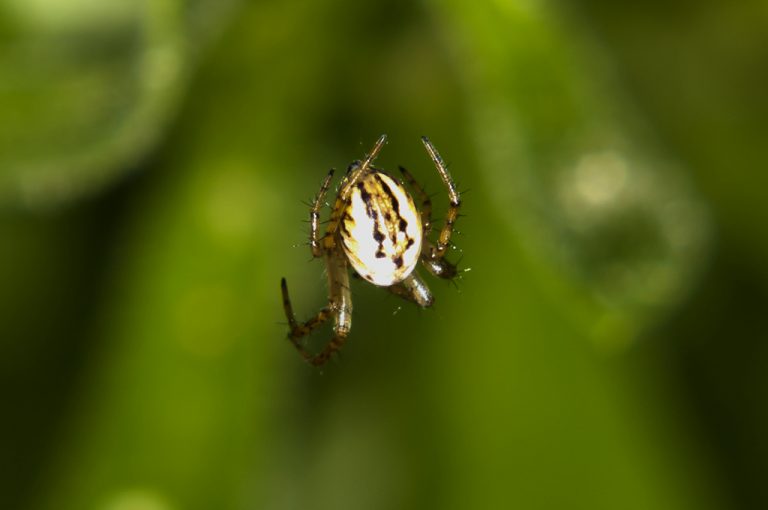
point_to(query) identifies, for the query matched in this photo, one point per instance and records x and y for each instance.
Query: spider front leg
(314, 216)
(433, 255)
(444, 239)
(339, 307)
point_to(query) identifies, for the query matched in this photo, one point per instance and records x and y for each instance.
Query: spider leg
(354, 172)
(374, 152)
(314, 216)
(426, 202)
(433, 256)
(297, 330)
(438, 266)
(413, 289)
(339, 307)
(444, 238)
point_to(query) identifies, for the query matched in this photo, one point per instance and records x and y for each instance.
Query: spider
(376, 228)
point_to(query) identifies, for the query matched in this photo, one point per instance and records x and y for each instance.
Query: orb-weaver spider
(376, 228)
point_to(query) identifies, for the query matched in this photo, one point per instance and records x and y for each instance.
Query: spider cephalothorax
(376, 228)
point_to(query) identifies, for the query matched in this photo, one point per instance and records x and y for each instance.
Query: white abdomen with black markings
(381, 230)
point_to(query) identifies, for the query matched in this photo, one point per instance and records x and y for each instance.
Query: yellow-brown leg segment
(433, 256)
(426, 203)
(333, 346)
(314, 216)
(339, 307)
(299, 331)
(444, 239)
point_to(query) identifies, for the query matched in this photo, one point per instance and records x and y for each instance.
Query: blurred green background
(607, 350)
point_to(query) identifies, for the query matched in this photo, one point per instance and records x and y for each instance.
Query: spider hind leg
(339, 307)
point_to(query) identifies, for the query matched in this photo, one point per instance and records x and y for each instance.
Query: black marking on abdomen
(366, 197)
(379, 237)
(346, 217)
(388, 191)
(363, 192)
(398, 261)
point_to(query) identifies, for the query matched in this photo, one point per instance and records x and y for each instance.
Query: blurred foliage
(606, 350)
(87, 87)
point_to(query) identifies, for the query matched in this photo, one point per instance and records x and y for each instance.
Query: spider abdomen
(381, 230)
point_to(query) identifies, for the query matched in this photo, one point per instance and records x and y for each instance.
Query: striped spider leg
(433, 255)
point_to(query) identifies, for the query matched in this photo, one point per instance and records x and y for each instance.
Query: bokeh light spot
(138, 499)
(600, 178)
